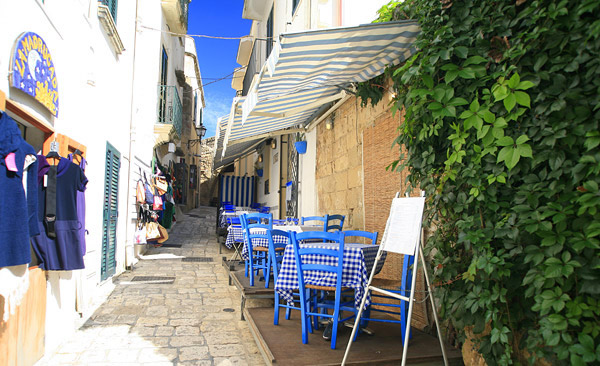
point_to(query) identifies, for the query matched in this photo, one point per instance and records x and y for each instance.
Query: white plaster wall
(307, 197)
(94, 107)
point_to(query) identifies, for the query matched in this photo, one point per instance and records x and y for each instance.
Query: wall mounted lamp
(329, 123)
(273, 143)
(200, 132)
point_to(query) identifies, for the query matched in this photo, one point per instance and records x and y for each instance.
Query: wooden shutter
(112, 6)
(110, 211)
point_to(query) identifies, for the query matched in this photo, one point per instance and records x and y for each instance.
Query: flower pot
(300, 147)
(259, 172)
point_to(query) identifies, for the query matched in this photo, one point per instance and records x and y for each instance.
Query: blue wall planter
(300, 147)
(259, 172)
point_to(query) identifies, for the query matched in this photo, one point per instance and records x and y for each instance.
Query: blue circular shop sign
(33, 70)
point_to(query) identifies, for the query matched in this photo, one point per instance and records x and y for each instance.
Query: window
(112, 7)
(295, 5)
(270, 33)
(162, 106)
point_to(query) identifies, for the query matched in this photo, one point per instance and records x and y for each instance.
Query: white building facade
(112, 63)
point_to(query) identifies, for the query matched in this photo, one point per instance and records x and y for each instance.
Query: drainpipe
(129, 246)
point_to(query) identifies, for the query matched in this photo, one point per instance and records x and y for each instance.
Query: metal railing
(169, 107)
(183, 7)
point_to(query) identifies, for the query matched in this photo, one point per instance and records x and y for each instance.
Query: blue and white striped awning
(308, 69)
(233, 152)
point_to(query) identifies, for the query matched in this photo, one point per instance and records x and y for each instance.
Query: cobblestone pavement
(193, 321)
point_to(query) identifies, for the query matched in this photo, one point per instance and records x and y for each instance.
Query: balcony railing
(176, 12)
(183, 7)
(169, 107)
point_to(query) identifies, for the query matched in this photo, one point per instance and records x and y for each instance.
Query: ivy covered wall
(502, 132)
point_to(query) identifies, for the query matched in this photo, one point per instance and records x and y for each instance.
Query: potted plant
(300, 144)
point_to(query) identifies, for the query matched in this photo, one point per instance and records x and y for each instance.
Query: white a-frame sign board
(402, 235)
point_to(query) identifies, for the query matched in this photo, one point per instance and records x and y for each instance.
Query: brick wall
(352, 179)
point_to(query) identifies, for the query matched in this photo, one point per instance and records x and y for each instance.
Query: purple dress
(81, 207)
(63, 253)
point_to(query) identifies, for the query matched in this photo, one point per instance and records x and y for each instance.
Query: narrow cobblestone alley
(195, 320)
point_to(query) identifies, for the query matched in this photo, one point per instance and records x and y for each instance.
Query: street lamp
(200, 132)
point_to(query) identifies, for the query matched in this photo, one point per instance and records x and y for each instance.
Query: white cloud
(216, 106)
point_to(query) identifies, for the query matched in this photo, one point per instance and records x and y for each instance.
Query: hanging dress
(64, 252)
(81, 206)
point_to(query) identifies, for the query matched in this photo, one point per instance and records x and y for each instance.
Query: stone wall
(352, 180)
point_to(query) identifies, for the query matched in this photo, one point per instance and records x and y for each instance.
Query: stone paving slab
(183, 323)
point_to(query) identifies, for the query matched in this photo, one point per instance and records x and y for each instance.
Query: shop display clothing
(81, 206)
(18, 194)
(64, 252)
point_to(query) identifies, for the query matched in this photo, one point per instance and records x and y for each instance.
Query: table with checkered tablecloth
(358, 262)
(236, 234)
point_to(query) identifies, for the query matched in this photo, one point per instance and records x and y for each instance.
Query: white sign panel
(404, 225)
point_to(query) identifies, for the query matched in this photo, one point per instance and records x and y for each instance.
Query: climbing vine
(501, 131)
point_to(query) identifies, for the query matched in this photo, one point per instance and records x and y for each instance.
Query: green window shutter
(112, 6)
(110, 212)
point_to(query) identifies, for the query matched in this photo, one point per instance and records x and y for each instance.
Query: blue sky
(217, 56)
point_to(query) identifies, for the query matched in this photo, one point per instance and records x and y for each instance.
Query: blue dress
(17, 210)
(65, 252)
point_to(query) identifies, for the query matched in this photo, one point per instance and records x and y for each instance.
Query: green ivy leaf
(474, 60)
(524, 85)
(514, 81)
(461, 51)
(427, 80)
(510, 101)
(505, 141)
(523, 99)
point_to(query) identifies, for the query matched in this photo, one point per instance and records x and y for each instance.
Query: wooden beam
(19, 110)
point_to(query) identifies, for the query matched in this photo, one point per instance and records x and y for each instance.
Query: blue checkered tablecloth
(236, 234)
(358, 263)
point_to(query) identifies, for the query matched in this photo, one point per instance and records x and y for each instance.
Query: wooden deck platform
(282, 344)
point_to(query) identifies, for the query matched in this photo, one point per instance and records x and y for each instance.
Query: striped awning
(309, 69)
(233, 152)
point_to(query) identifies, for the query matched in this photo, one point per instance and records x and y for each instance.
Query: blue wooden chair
(332, 225)
(397, 310)
(284, 221)
(228, 208)
(276, 251)
(255, 206)
(365, 237)
(257, 255)
(321, 219)
(264, 209)
(311, 305)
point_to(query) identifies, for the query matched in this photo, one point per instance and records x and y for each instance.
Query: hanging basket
(259, 172)
(300, 147)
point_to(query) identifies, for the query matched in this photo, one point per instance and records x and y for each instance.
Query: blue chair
(255, 206)
(331, 226)
(397, 310)
(257, 255)
(322, 219)
(264, 209)
(276, 251)
(366, 237)
(284, 221)
(310, 305)
(228, 208)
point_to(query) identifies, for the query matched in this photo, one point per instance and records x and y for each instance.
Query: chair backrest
(370, 236)
(335, 226)
(335, 252)
(255, 206)
(277, 255)
(264, 209)
(253, 221)
(234, 221)
(229, 208)
(322, 219)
